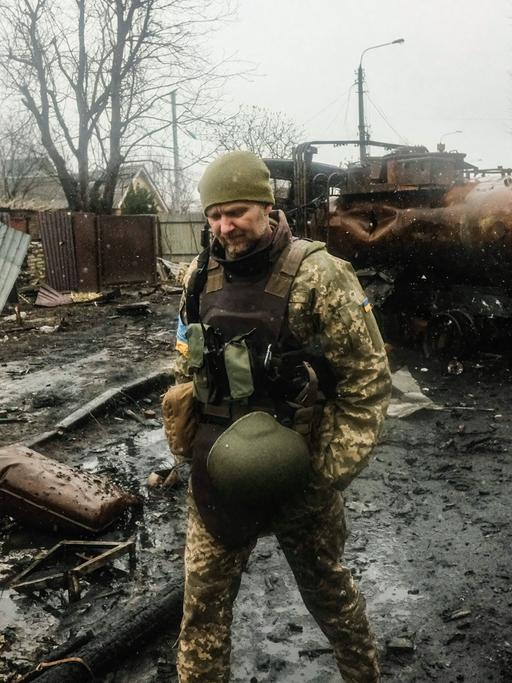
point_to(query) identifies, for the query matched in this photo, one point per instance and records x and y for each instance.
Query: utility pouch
(180, 419)
(201, 390)
(196, 353)
(196, 345)
(206, 360)
(237, 361)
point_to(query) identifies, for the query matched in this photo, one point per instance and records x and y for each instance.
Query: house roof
(44, 192)
(135, 175)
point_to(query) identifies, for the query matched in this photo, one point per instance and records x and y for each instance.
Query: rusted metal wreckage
(34, 578)
(47, 493)
(429, 234)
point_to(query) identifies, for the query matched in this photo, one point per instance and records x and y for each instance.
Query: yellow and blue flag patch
(366, 305)
(181, 337)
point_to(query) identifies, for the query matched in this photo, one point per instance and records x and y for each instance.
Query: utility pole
(360, 102)
(175, 149)
(363, 135)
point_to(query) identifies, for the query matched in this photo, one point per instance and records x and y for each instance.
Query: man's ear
(267, 209)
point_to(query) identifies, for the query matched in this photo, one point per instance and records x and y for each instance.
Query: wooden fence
(180, 235)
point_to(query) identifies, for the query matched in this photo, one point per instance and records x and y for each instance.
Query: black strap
(195, 287)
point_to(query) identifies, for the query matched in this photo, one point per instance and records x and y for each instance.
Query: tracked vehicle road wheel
(451, 333)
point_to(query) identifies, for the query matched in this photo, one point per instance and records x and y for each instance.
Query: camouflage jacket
(326, 299)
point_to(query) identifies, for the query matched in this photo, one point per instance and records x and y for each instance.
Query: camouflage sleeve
(180, 363)
(327, 299)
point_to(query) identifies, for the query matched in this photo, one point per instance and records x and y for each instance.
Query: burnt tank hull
(463, 233)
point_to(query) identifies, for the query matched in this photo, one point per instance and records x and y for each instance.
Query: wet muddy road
(430, 537)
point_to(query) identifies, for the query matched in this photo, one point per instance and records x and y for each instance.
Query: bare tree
(22, 158)
(262, 131)
(96, 76)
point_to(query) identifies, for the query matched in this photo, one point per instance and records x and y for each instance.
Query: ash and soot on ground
(429, 519)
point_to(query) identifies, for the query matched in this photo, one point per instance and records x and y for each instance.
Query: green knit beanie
(235, 176)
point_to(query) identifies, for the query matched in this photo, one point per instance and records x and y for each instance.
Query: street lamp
(360, 80)
(440, 145)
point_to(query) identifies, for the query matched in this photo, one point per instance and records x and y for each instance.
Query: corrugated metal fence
(88, 252)
(59, 249)
(180, 235)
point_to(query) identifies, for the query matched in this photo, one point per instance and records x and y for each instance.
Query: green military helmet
(258, 461)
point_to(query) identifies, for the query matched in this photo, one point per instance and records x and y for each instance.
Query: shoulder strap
(215, 276)
(195, 286)
(288, 264)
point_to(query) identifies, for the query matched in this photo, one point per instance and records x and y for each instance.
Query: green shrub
(138, 200)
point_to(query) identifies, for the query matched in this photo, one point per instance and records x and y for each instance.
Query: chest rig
(241, 352)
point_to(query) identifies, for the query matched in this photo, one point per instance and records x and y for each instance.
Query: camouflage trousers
(312, 535)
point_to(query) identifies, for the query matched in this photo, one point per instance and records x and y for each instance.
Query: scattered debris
(397, 552)
(50, 329)
(315, 652)
(127, 412)
(47, 398)
(156, 378)
(13, 418)
(114, 638)
(168, 289)
(401, 645)
(154, 480)
(15, 317)
(455, 367)
(407, 397)
(146, 422)
(458, 614)
(174, 271)
(49, 297)
(164, 478)
(139, 308)
(95, 297)
(172, 479)
(70, 578)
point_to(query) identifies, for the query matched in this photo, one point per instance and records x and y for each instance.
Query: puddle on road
(8, 608)
(130, 460)
(91, 463)
(395, 594)
(389, 592)
(151, 452)
(28, 381)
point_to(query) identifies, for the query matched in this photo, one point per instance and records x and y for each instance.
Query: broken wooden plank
(109, 396)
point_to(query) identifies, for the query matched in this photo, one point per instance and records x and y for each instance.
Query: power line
(336, 99)
(385, 119)
(348, 103)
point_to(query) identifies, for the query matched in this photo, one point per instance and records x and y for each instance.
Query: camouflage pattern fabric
(340, 313)
(311, 533)
(326, 299)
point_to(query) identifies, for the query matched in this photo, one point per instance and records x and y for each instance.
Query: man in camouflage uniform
(325, 295)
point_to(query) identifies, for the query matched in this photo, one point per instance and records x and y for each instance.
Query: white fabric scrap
(407, 397)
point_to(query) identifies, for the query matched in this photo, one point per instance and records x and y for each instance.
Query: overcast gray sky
(454, 71)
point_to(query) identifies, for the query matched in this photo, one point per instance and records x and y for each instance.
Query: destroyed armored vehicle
(429, 235)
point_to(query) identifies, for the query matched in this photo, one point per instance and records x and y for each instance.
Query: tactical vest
(238, 336)
(240, 351)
